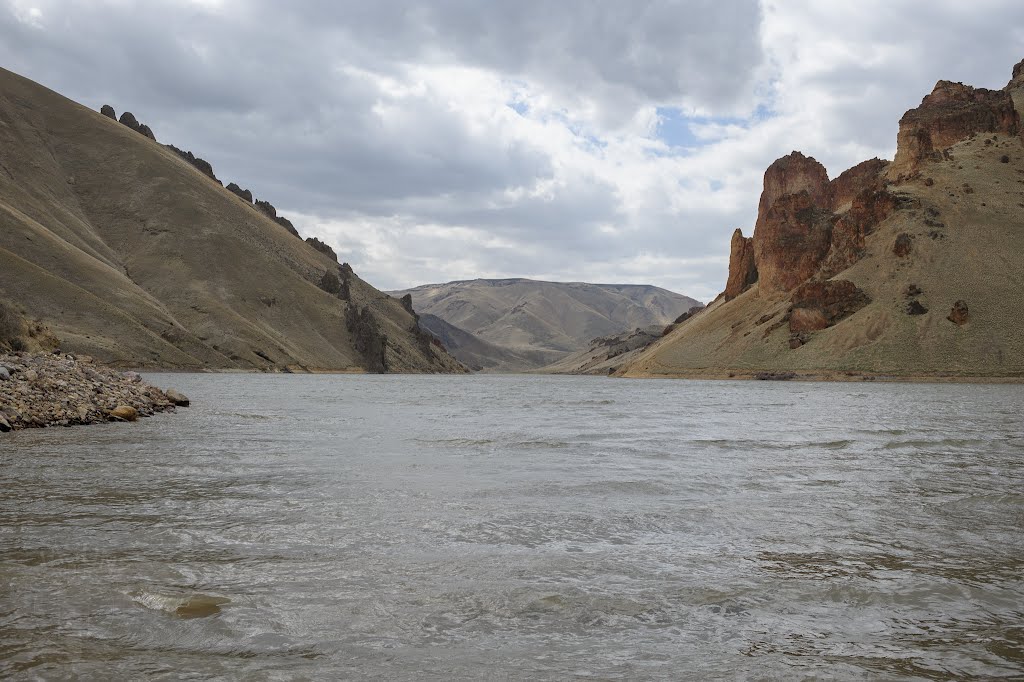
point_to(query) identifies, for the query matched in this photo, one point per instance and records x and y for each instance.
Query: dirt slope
(131, 255)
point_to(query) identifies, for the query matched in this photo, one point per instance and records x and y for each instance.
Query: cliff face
(807, 226)
(871, 272)
(131, 254)
(951, 113)
(792, 233)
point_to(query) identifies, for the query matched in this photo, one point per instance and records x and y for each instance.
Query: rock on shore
(59, 389)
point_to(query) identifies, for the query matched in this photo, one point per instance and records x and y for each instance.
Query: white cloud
(463, 139)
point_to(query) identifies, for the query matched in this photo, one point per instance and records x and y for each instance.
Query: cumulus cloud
(576, 140)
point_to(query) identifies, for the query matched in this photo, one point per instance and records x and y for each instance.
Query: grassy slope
(980, 259)
(133, 256)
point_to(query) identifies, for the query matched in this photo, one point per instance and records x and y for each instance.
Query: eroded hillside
(133, 254)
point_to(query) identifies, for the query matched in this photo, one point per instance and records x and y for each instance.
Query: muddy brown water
(509, 527)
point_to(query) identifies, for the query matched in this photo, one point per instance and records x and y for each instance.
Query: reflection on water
(521, 528)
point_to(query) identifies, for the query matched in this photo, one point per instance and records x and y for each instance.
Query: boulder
(688, 314)
(287, 224)
(742, 271)
(951, 113)
(916, 308)
(243, 193)
(807, 320)
(128, 119)
(202, 165)
(903, 245)
(266, 208)
(322, 248)
(821, 304)
(330, 283)
(4, 374)
(108, 111)
(179, 399)
(406, 302)
(146, 131)
(5, 425)
(125, 413)
(959, 314)
(133, 377)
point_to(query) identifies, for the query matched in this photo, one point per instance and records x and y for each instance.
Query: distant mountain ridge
(525, 324)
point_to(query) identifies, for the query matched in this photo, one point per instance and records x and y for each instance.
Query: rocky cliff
(132, 253)
(909, 268)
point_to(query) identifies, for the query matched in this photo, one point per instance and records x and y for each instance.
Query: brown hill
(132, 254)
(541, 322)
(913, 268)
(605, 354)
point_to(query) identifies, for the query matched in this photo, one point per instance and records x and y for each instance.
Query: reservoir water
(517, 527)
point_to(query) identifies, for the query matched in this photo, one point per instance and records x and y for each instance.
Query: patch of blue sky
(676, 129)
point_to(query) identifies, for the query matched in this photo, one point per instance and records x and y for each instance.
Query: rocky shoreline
(61, 389)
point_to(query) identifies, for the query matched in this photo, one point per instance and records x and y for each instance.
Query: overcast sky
(571, 140)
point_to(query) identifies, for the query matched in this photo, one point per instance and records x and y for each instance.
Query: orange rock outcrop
(742, 271)
(951, 113)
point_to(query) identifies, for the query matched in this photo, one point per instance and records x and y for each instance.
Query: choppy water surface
(297, 527)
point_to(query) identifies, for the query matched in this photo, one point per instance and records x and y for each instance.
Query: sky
(567, 140)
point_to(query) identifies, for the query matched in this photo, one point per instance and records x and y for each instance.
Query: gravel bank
(59, 389)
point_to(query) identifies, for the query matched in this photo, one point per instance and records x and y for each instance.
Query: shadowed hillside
(913, 268)
(131, 253)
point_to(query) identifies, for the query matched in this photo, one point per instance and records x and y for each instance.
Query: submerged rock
(179, 399)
